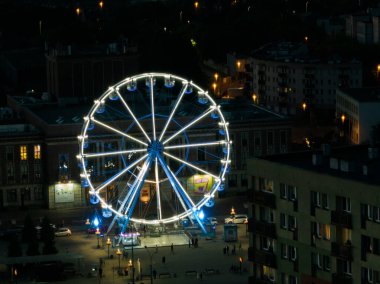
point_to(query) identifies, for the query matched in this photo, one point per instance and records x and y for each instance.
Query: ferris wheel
(154, 149)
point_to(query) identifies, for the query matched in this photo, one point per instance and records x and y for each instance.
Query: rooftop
(363, 94)
(358, 162)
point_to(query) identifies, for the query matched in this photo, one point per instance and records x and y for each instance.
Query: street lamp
(108, 245)
(232, 211)
(97, 236)
(343, 118)
(151, 266)
(101, 4)
(216, 75)
(304, 106)
(254, 97)
(118, 252)
(214, 85)
(77, 11)
(196, 4)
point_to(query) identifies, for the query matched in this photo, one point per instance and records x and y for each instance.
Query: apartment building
(285, 76)
(314, 217)
(357, 112)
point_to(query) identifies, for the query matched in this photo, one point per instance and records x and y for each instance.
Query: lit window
(23, 153)
(37, 152)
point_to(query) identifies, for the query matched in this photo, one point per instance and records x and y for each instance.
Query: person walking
(163, 259)
(154, 274)
(172, 248)
(100, 272)
(200, 275)
(189, 243)
(228, 250)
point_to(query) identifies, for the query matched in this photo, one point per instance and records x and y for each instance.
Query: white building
(358, 110)
(285, 76)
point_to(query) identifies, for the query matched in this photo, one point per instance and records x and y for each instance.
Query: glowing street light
(108, 245)
(232, 212)
(118, 252)
(216, 75)
(77, 11)
(254, 97)
(101, 4)
(304, 106)
(238, 64)
(343, 118)
(196, 4)
(214, 86)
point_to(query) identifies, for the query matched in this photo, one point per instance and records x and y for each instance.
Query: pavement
(182, 265)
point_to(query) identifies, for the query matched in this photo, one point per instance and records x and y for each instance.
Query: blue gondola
(101, 108)
(169, 82)
(189, 89)
(221, 187)
(132, 86)
(210, 202)
(106, 212)
(91, 126)
(113, 96)
(94, 199)
(214, 115)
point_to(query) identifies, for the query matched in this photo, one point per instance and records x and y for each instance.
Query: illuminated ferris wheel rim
(213, 107)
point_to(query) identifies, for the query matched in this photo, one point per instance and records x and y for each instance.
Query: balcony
(264, 198)
(342, 251)
(262, 228)
(341, 218)
(341, 278)
(266, 258)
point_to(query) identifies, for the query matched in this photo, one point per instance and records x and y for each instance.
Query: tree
(14, 248)
(47, 237)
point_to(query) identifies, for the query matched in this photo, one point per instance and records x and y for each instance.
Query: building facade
(314, 217)
(357, 112)
(285, 77)
(76, 75)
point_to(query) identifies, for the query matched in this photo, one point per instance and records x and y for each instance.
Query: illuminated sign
(199, 184)
(64, 192)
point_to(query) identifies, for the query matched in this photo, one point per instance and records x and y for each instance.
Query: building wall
(74, 79)
(285, 86)
(329, 188)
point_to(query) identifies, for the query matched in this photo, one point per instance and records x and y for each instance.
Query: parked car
(211, 220)
(62, 232)
(237, 219)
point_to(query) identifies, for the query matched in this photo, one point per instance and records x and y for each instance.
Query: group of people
(193, 242)
(226, 250)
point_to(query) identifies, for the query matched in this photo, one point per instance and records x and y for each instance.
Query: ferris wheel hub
(155, 148)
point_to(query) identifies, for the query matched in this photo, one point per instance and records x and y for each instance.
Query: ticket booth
(230, 232)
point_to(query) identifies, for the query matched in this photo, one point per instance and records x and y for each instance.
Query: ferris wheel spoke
(131, 114)
(189, 124)
(181, 190)
(184, 87)
(110, 180)
(95, 155)
(190, 165)
(158, 193)
(152, 107)
(136, 187)
(172, 181)
(118, 131)
(206, 144)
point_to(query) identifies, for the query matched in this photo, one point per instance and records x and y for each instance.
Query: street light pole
(118, 252)
(108, 245)
(97, 235)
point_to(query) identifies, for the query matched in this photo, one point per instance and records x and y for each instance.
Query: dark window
(12, 195)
